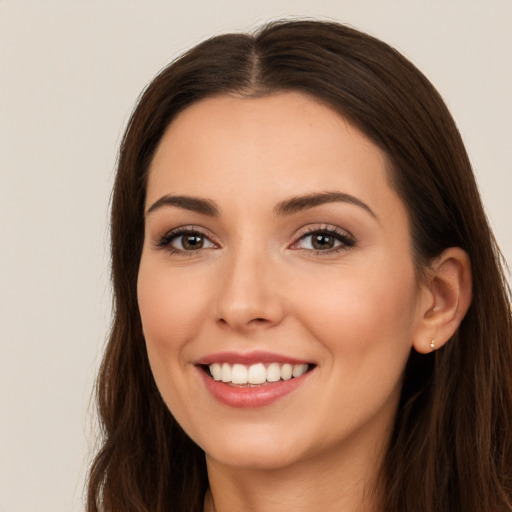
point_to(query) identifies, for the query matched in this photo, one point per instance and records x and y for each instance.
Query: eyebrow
(287, 207)
(194, 204)
(304, 202)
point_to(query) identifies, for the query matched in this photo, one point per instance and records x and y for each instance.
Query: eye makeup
(321, 240)
(324, 240)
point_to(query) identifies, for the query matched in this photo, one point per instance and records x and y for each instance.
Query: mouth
(253, 379)
(254, 375)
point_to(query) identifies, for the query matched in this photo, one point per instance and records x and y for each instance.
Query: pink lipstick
(253, 379)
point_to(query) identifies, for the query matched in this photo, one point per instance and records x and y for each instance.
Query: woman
(310, 311)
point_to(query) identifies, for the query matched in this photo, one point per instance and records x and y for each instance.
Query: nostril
(258, 322)
(245, 324)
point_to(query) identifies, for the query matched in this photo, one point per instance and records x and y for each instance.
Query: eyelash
(166, 240)
(346, 240)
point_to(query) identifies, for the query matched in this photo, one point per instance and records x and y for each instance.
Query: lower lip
(257, 396)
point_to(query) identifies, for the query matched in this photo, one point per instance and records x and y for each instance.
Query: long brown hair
(451, 449)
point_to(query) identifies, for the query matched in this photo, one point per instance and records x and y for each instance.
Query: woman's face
(274, 246)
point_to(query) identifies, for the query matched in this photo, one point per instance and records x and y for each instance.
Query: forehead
(283, 144)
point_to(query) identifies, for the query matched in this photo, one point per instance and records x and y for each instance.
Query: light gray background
(70, 72)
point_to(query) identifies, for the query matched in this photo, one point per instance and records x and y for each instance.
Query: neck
(345, 483)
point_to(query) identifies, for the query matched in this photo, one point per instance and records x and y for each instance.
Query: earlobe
(447, 293)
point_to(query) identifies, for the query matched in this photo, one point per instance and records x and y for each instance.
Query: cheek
(172, 311)
(364, 312)
(170, 307)
(365, 323)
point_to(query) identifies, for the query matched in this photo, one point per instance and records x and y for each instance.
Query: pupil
(192, 242)
(323, 241)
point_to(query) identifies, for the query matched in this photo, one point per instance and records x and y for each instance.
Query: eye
(185, 240)
(324, 240)
(190, 242)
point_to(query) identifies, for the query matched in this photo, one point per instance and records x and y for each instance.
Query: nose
(249, 297)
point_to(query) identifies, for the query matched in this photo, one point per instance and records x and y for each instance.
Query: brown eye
(188, 241)
(322, 241)
(192, 241)
(325, 240)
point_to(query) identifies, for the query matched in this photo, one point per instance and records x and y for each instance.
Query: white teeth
(273, 372)
(299, 369)
(286, 371)
(256, 373)
(239, 374)
(216, 371)
(226, 373)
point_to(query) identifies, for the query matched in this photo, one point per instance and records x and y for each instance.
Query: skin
(258, 284)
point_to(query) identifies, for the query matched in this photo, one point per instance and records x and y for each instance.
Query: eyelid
(346, 238)
(164, 241)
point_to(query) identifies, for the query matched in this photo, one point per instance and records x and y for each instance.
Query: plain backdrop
(70, 72)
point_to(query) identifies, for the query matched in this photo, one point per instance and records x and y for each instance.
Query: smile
(255, 374)
(254, 379)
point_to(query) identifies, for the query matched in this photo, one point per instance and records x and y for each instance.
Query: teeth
(273, 372)
(286, 371)
(256, 373)
(299, 369)
(239, 374)
(225, 375)
(216, 371)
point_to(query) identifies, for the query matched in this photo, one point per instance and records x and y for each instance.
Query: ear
(445, 298)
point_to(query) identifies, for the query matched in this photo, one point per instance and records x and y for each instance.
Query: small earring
(433, 343)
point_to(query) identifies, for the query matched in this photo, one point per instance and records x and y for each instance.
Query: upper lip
(248, 358)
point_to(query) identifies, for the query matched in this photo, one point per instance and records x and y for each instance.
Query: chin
(255, 450)
(254, 459)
